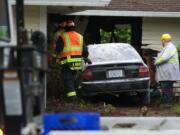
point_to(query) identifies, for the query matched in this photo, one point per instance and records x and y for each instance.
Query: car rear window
(113, 53)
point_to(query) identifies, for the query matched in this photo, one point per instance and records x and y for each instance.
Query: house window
(4, 21)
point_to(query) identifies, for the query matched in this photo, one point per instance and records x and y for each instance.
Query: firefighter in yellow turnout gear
(70, 52)
(167, 68)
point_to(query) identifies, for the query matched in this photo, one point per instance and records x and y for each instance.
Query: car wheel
(144, 98)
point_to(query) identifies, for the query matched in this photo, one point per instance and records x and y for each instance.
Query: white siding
(32, 19)
(153, 28)
(96, 3)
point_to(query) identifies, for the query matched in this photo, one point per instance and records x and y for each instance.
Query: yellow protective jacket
(72, 50)
(167, 64)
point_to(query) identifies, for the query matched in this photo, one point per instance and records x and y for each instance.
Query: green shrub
(122, 35)
(55, 86)
(178, 48)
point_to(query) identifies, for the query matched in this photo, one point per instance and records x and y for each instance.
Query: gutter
(86, 3)
(126, 13)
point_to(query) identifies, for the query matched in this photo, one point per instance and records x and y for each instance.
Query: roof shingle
(145, 5)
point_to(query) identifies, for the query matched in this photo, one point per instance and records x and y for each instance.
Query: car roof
(113, 53)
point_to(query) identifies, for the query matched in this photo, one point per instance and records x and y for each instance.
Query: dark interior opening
(103, 29)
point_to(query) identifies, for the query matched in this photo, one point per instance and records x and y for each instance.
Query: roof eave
(89, 3)
(126, 13)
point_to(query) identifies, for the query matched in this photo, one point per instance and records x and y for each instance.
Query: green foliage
(178, 48)
(122, 35)
(105, 36)
(176, 108)
(54, 83)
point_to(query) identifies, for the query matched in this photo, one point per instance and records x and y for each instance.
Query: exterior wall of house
(32, 18)
(96, 3)
(35, 18)
(153, 28)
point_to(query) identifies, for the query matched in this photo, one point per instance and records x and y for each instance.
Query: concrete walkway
(132, 126)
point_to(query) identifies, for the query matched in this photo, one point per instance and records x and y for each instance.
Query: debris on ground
(55, 105)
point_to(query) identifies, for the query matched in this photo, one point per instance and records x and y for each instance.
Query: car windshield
(113, 52)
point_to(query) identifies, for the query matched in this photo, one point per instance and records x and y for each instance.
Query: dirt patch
(56, 106)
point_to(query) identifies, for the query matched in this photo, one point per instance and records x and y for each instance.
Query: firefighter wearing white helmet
(168, 71)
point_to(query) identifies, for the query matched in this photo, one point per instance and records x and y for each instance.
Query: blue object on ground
(71, 121)
(155, 93)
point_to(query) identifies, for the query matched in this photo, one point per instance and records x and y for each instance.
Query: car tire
(144, 98)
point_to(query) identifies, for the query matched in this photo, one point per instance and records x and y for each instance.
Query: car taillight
(87, 74)
(143, 71)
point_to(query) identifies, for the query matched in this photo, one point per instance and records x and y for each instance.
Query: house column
(43, 28)
(43, 20)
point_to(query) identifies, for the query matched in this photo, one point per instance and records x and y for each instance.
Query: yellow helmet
(166, 36)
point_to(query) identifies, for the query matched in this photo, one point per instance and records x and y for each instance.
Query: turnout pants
(69, 79)
(167, 91)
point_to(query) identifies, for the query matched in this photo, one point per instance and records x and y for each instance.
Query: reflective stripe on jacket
(168, 64)
(72, 51)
